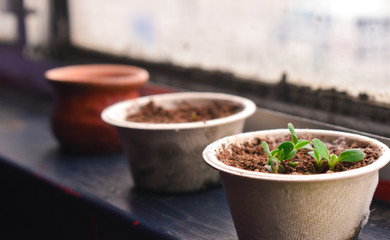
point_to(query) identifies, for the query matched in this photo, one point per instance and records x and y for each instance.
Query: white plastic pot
(168, 157)
(318, 206)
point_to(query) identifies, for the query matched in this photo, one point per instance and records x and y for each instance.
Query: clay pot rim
(211, 159)
(98, 74)
(116, 113)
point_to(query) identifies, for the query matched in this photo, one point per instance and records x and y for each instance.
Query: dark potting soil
(184, 112)
(251, 156)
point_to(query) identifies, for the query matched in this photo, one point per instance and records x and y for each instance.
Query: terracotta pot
(315, 206)
(83, 91)
(167, 157)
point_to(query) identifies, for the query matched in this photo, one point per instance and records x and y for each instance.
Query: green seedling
(314, 154)
(273, 164)
(298, 143)
(321, 152)
(288, 149)
(284, 151)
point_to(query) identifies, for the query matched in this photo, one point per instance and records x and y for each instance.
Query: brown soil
(184, 112)
(251, 156)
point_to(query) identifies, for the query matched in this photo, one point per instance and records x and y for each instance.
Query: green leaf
(287, 147)
(281, 154)
(332, 162)
(317, 154)
(265, 146)
(314, 154)
(291, 154)
(273, 159)
(311, 153)
(294, 137)
(275, 152)
(321, 148)
(307, 146)
(301, 144)
(351, 155)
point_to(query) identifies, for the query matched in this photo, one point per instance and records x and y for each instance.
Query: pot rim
(111, 114)
(210, 158)
(98, 74)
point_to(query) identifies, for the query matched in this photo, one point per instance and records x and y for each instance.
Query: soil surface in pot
(184, 112)
(251, 156)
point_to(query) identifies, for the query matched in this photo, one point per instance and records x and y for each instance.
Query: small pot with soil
(319, 187)
(164, 136)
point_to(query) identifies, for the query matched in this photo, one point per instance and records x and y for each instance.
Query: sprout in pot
(300, 182)
(284, 151)
(297, 156)
(288, 149)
